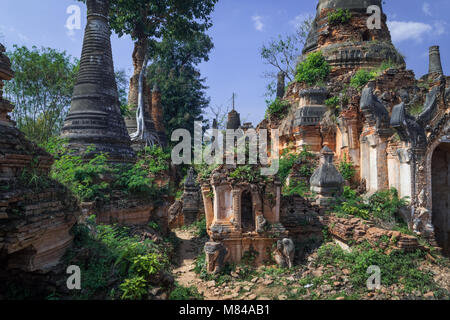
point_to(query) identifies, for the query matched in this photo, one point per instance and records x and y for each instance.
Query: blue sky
(240, 28)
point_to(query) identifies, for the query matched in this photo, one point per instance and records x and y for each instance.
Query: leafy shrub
(385, 204)
(116, 254)
(134, 288)
(287, 161)
(339, 16)
(201, 228)
(31, 177)
(382, 205)
(246, 173)
(361, 78)
(351, 204)
(347, 169)
(277, 108)
(299, 188)
(85, 176)
(148, 264)
(185, 293)
(313, 70)
(333, 102)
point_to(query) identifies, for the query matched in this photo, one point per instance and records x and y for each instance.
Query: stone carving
(216, 254)
(373, 109)
(94, 117)
(261, 223)
(326, 181)
(421, 219)
(284, 253)
(412, 129)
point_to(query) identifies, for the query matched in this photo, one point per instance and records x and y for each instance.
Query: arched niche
(440, 195)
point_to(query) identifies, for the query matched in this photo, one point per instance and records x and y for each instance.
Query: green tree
(174, 69)
(313, 70)
(282, 53)
(41, 90)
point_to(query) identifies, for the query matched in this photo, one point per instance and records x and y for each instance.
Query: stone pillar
(190, 199)
(208, 203)
(280, 84)
(236, 195)
(435, 65)
(94, 117)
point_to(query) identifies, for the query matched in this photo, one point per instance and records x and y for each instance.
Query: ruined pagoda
(94, 118)
(372, 123)
(351, 45)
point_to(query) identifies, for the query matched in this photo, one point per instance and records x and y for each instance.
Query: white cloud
(426, 9)
(298, 20)
(13, 33)
(440, 27)
(257, 20)
(402, 30)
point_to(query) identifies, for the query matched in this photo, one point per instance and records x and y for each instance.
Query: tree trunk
(140, 49)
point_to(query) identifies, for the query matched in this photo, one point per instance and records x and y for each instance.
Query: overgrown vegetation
(247, 173)
(297, 188)
(277, 108)
(339, 16)
(382, 206)
(185, 293)
(91, 177)
(119, 266)
(346, 168)
(397, 268)
(198, 227)
(333, 102)
(363, 76)
(313, 70)
(289, 159)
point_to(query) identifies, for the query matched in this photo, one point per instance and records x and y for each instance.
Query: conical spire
(94, 117)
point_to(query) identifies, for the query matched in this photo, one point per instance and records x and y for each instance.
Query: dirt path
(190, 247)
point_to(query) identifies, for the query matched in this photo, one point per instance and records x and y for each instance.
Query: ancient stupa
(351, 45)
(94, 117)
